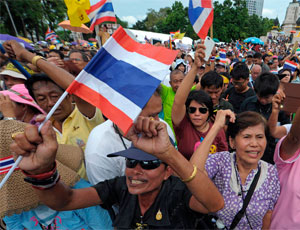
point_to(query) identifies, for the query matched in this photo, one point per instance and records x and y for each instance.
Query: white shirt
(102, 141)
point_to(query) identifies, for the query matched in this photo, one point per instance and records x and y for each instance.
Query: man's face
(153, 107)
(240, 85)
(77, 59)
(255, 72)
(142, 181)
(275, 63)
(220, 69)
(53, 54)
(176, 80)
(257, 61)
(46, 95)
(265, 100)
(214, 93)
(11, 81)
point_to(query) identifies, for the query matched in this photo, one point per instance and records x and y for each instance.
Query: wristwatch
(8, 118)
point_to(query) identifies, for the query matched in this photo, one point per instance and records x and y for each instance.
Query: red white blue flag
(122, 77)
(290, 65)
(50, 34)
(222, 55)
(102, 11)
(6, 163)
(201, 14)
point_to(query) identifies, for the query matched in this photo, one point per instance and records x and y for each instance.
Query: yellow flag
(77, 11)
(178, 35)
(298, 35)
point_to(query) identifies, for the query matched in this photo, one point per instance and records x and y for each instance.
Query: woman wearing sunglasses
(191, 114)
(239, 174)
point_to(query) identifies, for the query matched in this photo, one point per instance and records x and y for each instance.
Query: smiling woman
(236, 173)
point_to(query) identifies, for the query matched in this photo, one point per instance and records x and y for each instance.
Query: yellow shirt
(76, 129)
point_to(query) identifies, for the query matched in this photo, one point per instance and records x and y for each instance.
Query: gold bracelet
(192, 176)
(35, 59)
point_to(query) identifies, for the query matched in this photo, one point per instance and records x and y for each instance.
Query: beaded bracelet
(192, 176)
(43, 181)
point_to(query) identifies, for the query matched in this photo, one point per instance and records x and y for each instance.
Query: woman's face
(181, 67)
(287, 78)
(196, 117)
(250, 145)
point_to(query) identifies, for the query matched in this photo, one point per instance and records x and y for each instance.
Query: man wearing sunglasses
(148, 196)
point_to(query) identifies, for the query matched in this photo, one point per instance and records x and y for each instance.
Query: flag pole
(211, 31)
(11, 170)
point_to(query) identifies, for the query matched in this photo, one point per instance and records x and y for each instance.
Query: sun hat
(179, 62)
(16, 195)
(19, 93)
(12, 71)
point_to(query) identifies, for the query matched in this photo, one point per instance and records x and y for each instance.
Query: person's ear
(168, 172)
(231, 143)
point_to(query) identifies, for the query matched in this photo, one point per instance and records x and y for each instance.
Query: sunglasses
(202, 110)
(148, 165)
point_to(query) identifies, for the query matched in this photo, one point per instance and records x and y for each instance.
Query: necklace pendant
(158, 215)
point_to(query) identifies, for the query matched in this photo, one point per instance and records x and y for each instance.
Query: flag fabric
(77, 11)
(238, 45)
(172, 34)
(201, 15)
(50, 34)
(179, 35)
(290, 65)
(122, 77)
(101, 12)
(222, 54)
(6, 163)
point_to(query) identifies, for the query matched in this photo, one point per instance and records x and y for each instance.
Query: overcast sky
(133, 10)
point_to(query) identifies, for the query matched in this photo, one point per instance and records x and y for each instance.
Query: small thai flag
(122, 77)
(201, 15)
(6, 163)
(101, 12)
(222, 54)
(290, 65)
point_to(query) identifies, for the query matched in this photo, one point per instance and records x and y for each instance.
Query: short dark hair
(243, 121)
(257, 55)
(62, 56)
(240, 70)
(35, 78)
(200, 97)
(175, 71)
(266, 84)
(211, 78)
(84, 56)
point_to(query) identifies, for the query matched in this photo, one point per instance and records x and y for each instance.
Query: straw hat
(16, 195)
(12, 71)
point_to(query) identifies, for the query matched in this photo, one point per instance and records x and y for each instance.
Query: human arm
(276, 131)
(267, 220)
(179, 109)
(39, 154)
(292, 141)
(151, 136)
(200, 155)
(58, 75)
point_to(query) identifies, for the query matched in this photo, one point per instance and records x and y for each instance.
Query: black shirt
(236, 99)
(172, 203)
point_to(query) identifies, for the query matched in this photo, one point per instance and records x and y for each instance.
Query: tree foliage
(231, 21)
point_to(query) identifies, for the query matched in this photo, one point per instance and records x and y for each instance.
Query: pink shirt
(286, 214)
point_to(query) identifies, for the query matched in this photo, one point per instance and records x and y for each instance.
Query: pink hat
(19, 93)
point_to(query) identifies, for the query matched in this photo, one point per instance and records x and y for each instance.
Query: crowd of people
(212, 149)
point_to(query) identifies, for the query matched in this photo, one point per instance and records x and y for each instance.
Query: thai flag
(122, 77)
(50, 34)
(222, 54)
(201, 14)
(6, 163)
(290, 65)
(101, 12)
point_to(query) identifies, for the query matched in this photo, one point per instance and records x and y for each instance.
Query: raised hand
(222, 116)
(7, 107)
(38, 150)
(14, 50)
(199, 55)
(277, 100)
(150, 136)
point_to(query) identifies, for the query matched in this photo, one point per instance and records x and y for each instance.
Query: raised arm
(291, 143)
(275, 130)
(200, 155)
(155, 140)
(178, 109)
(39, 154)
(58, 75)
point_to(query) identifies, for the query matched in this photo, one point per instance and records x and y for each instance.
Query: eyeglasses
(238, 83)
(202, 110)
(148, 165)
